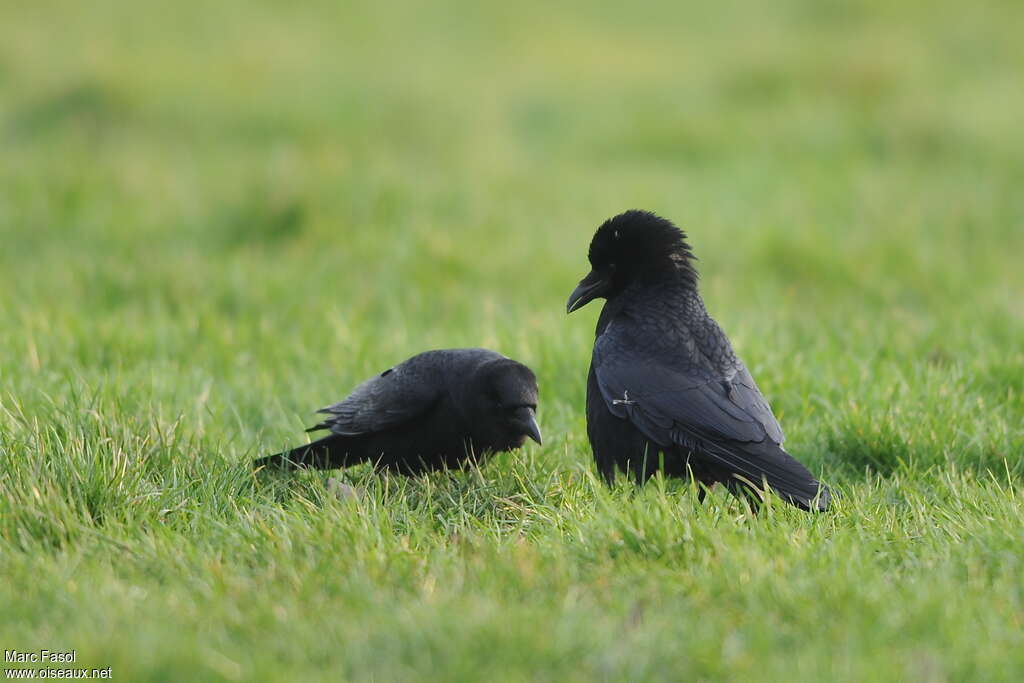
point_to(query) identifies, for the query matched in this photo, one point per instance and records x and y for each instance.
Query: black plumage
(665, 388)
(439, 409)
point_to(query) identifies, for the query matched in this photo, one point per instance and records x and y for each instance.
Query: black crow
(665, 389)
(439, 409)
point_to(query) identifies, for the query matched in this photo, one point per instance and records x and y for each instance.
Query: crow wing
(388, 400)
(682, 397)
(662, 394)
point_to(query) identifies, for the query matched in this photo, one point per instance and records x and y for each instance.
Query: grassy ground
(218, 217)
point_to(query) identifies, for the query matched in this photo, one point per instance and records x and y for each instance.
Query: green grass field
(217, 217)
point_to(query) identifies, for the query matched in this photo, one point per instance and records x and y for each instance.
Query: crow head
(635, 246)
(503, 409)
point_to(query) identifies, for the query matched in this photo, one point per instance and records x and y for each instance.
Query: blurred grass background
(217, 217)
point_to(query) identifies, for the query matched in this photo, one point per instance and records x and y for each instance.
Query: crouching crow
(439, 409)
(665, 389)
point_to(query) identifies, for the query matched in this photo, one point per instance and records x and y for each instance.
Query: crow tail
(322, 454)
(755, 465)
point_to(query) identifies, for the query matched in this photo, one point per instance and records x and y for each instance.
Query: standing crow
(439, 409)
(665, 388)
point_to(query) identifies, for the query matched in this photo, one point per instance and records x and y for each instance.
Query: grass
(214, 221)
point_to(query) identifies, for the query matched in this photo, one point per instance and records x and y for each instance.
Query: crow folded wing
(680, 402)
(386, 401)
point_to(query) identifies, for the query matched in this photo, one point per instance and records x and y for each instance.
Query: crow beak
(530, 426)
(589, 288)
